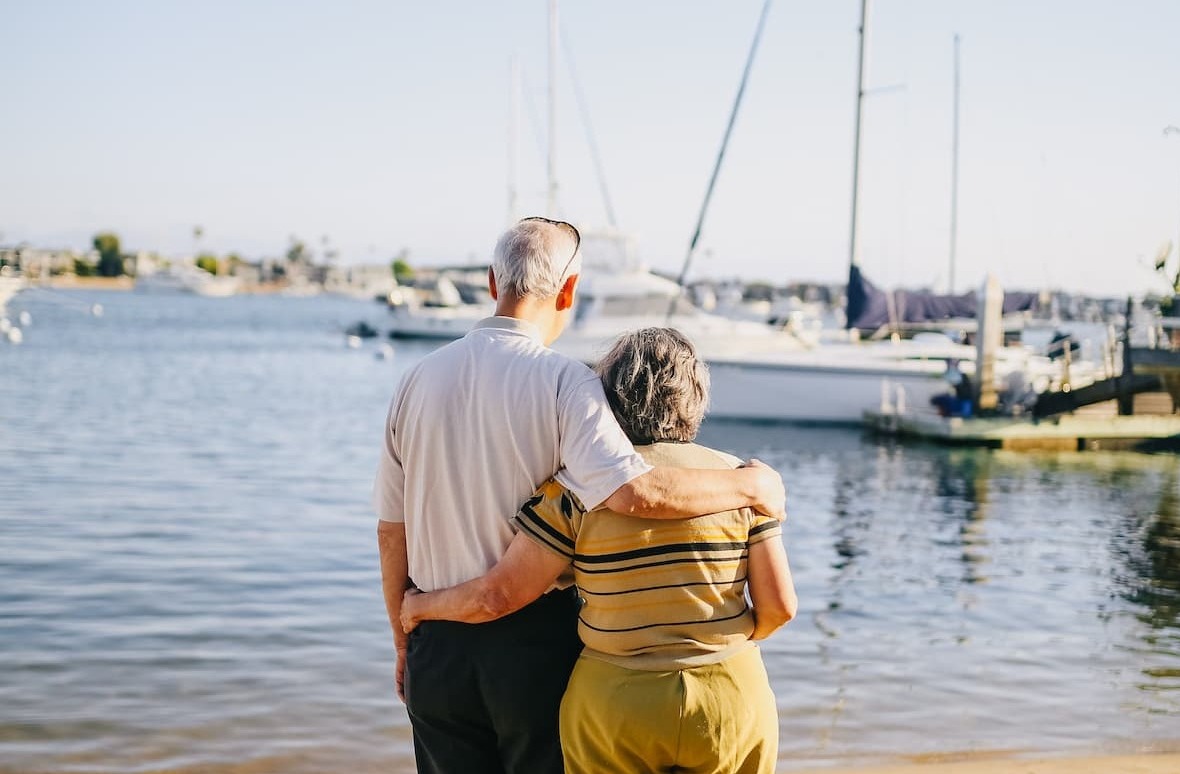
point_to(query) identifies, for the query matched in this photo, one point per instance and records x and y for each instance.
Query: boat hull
(436, 323)
(808, 393)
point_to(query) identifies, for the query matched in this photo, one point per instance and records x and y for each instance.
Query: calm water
(188, 572)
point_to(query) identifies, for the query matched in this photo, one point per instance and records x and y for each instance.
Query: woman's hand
(409, 609)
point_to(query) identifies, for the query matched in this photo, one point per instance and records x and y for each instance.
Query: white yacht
(610, 303)
(439, 309)
(186, 278)
(763, 373)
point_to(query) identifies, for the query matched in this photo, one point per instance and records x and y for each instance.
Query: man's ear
(565, 296)
(492, 284)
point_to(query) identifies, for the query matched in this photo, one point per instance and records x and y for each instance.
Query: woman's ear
(492, 284)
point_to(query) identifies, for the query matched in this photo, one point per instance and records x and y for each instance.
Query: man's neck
(538, 312)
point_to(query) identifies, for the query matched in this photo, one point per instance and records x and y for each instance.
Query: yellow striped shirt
(656, 594)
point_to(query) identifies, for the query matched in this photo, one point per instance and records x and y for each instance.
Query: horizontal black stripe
(667, 623)
(528, 527)
(584, 590)
(758, 530)
(685, 560)
(538, 523)
(671, 548)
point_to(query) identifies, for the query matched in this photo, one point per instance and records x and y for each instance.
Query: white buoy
(96, 310)
(15, 335)
(26, 319)
(384, 352)
(5, 325)
(354, 342)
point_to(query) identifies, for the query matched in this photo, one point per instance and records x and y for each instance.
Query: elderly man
(473, 429)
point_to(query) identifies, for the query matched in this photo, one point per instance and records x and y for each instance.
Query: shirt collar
(514, 324)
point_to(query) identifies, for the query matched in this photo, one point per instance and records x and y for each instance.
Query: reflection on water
(1147, 549)
(1149, 544)
(966, 599)
(188, 577)
(961, 487)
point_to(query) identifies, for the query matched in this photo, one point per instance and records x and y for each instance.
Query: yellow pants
(713, 719)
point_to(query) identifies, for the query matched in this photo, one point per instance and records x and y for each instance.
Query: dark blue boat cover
(868, 306)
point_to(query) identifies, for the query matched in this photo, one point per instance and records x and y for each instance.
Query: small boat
(10, 285)
(361, 330)
(186, 278)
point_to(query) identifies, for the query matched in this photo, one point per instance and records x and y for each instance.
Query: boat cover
(869, 307)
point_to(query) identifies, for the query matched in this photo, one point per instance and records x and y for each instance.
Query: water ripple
(189, 581)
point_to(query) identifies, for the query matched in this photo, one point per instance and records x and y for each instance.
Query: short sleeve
(389, 487)
(763, 528)
(596, 456)
(552, 517)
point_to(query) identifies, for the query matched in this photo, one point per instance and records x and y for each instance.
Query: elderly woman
(670, 678)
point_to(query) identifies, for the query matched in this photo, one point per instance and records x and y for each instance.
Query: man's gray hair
(534, 257)
(656, 385)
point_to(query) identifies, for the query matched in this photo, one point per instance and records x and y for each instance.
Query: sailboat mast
(954, 178)
(551, 199)
(854, 242)
(514, 145)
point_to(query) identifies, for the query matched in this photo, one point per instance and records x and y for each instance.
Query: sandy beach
(983, 763)
(1157, 763)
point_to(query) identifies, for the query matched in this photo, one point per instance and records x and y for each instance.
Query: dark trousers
(485, 697)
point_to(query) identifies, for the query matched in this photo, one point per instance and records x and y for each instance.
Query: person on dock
(670, 678)
(960, 402)
(473, 429)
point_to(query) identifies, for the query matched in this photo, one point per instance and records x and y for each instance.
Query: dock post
(1126, 399)
(989, 311)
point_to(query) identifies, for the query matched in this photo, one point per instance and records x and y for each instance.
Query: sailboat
(616, 293)
(786, 379)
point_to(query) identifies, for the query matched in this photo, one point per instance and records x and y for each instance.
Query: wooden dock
(1067, 432)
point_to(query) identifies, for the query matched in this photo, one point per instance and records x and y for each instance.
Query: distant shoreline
(127, 283)
(72, 281)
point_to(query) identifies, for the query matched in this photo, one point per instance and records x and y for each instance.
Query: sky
(370, 128)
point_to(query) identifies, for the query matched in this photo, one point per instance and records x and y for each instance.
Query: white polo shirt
(474, 428)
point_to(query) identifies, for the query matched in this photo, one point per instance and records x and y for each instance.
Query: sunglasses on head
(561, 224)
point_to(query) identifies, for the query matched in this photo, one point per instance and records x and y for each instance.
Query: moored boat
(10, 285)
(185, 278)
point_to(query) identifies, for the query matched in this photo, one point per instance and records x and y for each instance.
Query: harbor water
(189, 577)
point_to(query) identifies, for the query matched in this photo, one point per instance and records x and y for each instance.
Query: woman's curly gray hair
(656, 385)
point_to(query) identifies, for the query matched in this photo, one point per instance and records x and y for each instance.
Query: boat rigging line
(584, 112)
(692, 245)
(950, 285)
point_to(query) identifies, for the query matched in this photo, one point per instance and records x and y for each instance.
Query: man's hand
(771, 497)
(391, 544)
(409, 605)
(399, 674)
(408, 622)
